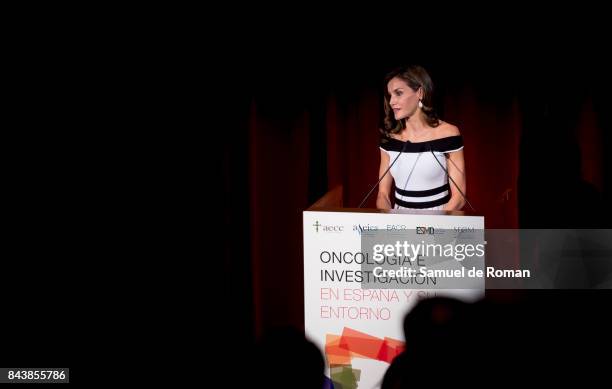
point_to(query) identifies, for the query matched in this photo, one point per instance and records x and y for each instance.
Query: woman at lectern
(424, 152)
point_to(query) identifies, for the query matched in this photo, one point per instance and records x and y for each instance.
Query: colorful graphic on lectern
(341, 349)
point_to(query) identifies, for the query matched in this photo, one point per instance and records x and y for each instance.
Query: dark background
(296, 100)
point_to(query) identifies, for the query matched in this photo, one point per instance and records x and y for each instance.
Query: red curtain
(283, 156)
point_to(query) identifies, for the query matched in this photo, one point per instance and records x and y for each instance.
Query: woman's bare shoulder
(446, 129)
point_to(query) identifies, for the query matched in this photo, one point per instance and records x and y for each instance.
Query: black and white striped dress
(420, 181)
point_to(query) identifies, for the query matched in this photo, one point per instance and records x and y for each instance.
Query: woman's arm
(384, 188)
(456, 170)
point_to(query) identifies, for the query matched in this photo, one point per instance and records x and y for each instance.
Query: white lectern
(360, 330)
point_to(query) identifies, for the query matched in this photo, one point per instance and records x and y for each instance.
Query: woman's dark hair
(416, 77)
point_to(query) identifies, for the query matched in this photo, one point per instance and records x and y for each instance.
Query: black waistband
(425, 204)
(423, 193)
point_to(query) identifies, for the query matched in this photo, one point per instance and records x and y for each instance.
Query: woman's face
(403, 100)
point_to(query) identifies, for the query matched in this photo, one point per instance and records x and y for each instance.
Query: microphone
(383, 176)
(450, 178)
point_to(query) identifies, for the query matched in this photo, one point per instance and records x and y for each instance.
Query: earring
(420, 104)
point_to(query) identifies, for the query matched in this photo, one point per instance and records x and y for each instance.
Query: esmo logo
(425, 230)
